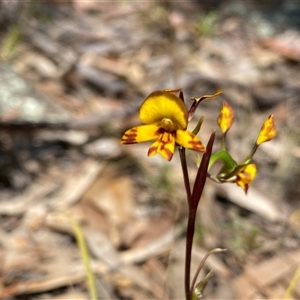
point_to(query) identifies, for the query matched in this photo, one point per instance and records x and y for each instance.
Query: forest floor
(73, 76)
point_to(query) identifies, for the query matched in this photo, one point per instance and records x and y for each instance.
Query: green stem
(223, 143)
(250, 155)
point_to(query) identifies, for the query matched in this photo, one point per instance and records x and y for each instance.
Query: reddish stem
(185, 175)
(193, 205)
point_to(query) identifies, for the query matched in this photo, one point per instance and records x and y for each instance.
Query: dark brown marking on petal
(128, 141)
(162, 145)
(129, 137)
(168, 153)
(196, 145)
(152, 150)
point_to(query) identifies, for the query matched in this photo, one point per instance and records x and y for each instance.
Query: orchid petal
(188, 140)
(163, 104)
(140, 134)
(246, 176)
(164, 145)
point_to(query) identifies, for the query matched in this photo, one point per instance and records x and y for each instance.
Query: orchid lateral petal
(188, 140)
(206, 97)
(246, 176)
(140, 134)
(198, 100)
(267, 131)
(162, 104)
(226, 117)
(164, 145)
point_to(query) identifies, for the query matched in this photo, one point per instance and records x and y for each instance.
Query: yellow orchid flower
(166, 118)
(246, 176)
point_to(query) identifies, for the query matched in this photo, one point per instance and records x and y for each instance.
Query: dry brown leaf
(112, 195)
(254, 201)
(46, 284)
(262, 277)
(70, 296)
(75, 185)
(36, 192)
(144, 231)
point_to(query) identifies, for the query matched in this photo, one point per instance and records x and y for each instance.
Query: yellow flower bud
(267, 131)
(226, 117)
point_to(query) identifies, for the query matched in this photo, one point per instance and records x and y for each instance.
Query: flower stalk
(165, 120)
(193, 205)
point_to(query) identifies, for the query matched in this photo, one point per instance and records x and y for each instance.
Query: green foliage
(39, 11)
(200, 233)
(244, 236)
(292, 285)
(207, 25)
(85, 258)
(228, 162)
(162, 182)
(9, 43)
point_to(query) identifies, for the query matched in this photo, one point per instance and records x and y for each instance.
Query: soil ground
(73, 76)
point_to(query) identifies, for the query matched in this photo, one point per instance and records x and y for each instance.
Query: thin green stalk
(223, 142)
(252, 152)
(289, 291)
(216, 250)
(86, 259)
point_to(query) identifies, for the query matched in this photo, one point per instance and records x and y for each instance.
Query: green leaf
(198, 126)
(229, 163)
(198, 292)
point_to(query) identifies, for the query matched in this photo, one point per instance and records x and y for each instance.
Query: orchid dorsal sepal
(198, 126)
(197, 101)
(229, 164)
(176, 92)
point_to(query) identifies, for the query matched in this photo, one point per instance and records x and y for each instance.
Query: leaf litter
(73, 83)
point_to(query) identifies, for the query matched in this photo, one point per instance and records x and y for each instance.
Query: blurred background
(73, 75)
